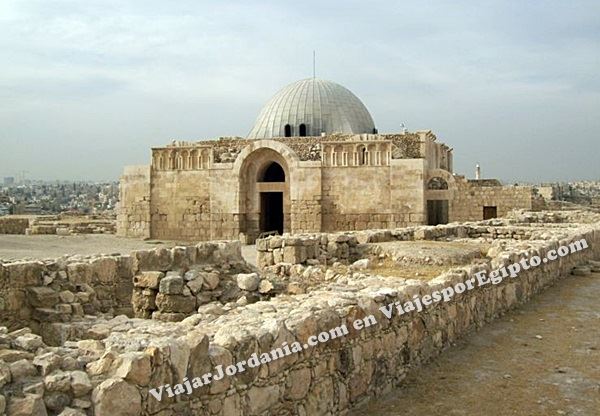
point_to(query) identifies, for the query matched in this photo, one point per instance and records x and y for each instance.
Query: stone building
(314, 161)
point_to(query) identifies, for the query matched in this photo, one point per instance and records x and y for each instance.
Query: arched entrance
(264, 193)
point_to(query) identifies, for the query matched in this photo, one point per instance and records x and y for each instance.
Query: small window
(302, 130)
(288, 130)
(490, 212)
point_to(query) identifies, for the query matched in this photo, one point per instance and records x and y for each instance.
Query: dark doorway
(490, 212)
(287, 130)
(302, 130)
(437, 212)
(271, 212)
(273, 173)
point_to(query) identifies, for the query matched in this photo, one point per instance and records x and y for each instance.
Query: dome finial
(314, 64)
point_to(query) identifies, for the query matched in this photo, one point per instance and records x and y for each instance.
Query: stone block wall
(133, 211)
(334, 377)
(114, 376)
(13, 225)
(53, 296)
(346, 247)
(302, 249)
(470, 198)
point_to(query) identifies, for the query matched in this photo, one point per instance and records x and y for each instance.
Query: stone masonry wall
(13, 225)
(113, 374)
(54, 296)
(469, 200)
(133, 211)
(345, 247)
(333, 377)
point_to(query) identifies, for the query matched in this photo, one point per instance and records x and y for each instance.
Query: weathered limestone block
(21, 369)
(47, 363)
(27, 406)
(195, 285)
(104, 269)
(149, 280)
(175, 303)
(297, 384)
(24, 273)
(66, 296)
(171, 285)
(79, 273)
(277, 256)
(28, 342)
(135, 367)
(211, 280)
(168, 316)
(5, 376)
(262, 398)
(264, 259)
(291, 254)
(275, 242)
(143, 299)
(160, 259)
(116, 397)
(58, 381)
(248, 281)
(42, 297)
(69, 411)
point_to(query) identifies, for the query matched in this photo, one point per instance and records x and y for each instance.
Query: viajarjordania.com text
(418, 303)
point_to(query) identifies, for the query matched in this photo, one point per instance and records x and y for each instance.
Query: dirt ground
(432, 252)
(543, 359)
(16, 247)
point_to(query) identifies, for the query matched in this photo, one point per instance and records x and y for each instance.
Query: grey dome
(322, 106)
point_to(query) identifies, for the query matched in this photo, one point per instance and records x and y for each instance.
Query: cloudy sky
(87, 87)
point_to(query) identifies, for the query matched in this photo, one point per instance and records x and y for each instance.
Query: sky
(87, 87)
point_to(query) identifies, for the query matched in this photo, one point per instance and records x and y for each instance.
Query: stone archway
(264, 195)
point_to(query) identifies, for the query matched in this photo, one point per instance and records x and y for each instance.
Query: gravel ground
(16, 247)
(433, 252)
(543, 359)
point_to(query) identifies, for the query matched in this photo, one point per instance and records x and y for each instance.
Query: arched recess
(265, 170)
(440, 188)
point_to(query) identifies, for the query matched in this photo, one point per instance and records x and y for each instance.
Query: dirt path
(506, 369)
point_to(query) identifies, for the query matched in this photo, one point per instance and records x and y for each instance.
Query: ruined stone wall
(49, 295)
(346, 247)
(133, 211)
(13, 225)
(334, 377)
(116, 374)
(470, 198)
(56, 224)
(53, 296)
(320, 248)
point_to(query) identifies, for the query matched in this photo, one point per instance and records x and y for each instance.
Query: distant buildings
(38, 197)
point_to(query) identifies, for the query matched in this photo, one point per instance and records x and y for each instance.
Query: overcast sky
(87, 87)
